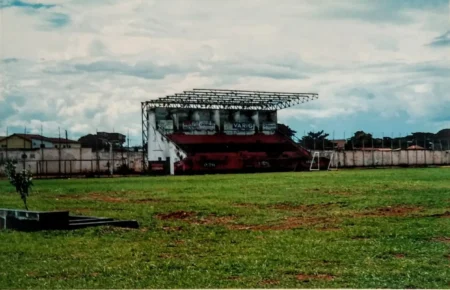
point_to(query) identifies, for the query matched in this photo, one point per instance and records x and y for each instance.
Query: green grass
(354, 228)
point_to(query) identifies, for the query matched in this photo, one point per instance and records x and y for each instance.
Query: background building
(100, 140)
(33, 141)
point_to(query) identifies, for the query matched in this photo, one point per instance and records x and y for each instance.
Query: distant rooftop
(231, 99)
(30, 137)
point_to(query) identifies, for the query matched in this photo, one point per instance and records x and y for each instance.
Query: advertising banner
(239, 128)
(245, 127)
(199, 126)
(165, 125)
(269, 126)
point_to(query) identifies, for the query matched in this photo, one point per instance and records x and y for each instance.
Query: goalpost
(315, 162)
(333, 165)
(316, 155)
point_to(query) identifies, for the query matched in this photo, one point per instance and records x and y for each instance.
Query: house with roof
(339, 144)
(33, 141)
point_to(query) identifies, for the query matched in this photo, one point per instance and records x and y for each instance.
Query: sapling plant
(23, 181)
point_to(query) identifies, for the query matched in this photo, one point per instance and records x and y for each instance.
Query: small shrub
(23, 181)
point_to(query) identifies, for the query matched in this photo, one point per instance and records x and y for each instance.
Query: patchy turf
(340, 229)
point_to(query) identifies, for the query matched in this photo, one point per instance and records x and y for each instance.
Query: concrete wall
(83, 160)
(71, 160)
(388, 158)
(66, 145)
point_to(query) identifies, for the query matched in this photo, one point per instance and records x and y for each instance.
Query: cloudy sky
(82, 65)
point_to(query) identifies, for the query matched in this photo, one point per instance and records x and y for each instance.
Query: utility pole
(111, 165)
(7, 138)
(96, 152)
(111, 157)
(59, 151)
(42, 149)
(24, 147)
(128, 148)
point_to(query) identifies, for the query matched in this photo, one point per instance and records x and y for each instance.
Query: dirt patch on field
(105, 198)
(307, 207)
(307, 278)
(442, 239)
(172, 229)
(248, 205)
(391, 211)
(286, 224)
(68, 196)
(399, 256)
(176, 215)
(293, 207)
(269, 282)
(441, 215)
(214, 220)
(193, 218)
(32, 274)
(327, 229)
(292, 222)
(151, 200)
(328, 191)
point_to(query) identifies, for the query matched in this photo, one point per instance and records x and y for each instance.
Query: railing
(213, 132)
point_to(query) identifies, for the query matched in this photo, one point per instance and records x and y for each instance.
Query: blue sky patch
(22, 4)
(442, 40)
(57, 20)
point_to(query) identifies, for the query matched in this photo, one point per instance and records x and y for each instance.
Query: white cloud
(94, 71)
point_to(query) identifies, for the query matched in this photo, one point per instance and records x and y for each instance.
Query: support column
(151, 121)
(216, 118)
(255, 118)
(172, 158)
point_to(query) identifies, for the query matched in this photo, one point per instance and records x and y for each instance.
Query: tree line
(320, 140)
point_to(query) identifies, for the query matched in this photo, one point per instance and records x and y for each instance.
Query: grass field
(355, 228)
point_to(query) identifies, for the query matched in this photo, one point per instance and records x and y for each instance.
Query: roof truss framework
(231, 99)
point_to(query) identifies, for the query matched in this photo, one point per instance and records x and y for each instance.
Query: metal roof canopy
(231, 99)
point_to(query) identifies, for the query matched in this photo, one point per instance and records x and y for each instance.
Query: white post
(172, 159)
(111, 165)
(151, 122)
(255, 119)
(216, 118)
(237, 116)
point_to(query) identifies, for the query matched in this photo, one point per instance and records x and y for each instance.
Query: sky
(85, 65)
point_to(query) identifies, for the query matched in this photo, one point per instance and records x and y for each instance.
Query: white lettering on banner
(165, 125)
(243, 126)
(199, 126)
(269, 126)
(209, 164)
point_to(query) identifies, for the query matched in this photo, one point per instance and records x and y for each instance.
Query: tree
(317, 141)
(285, 130)
(98, 142)
(360, 139)
(21, 180)
(423, 139)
